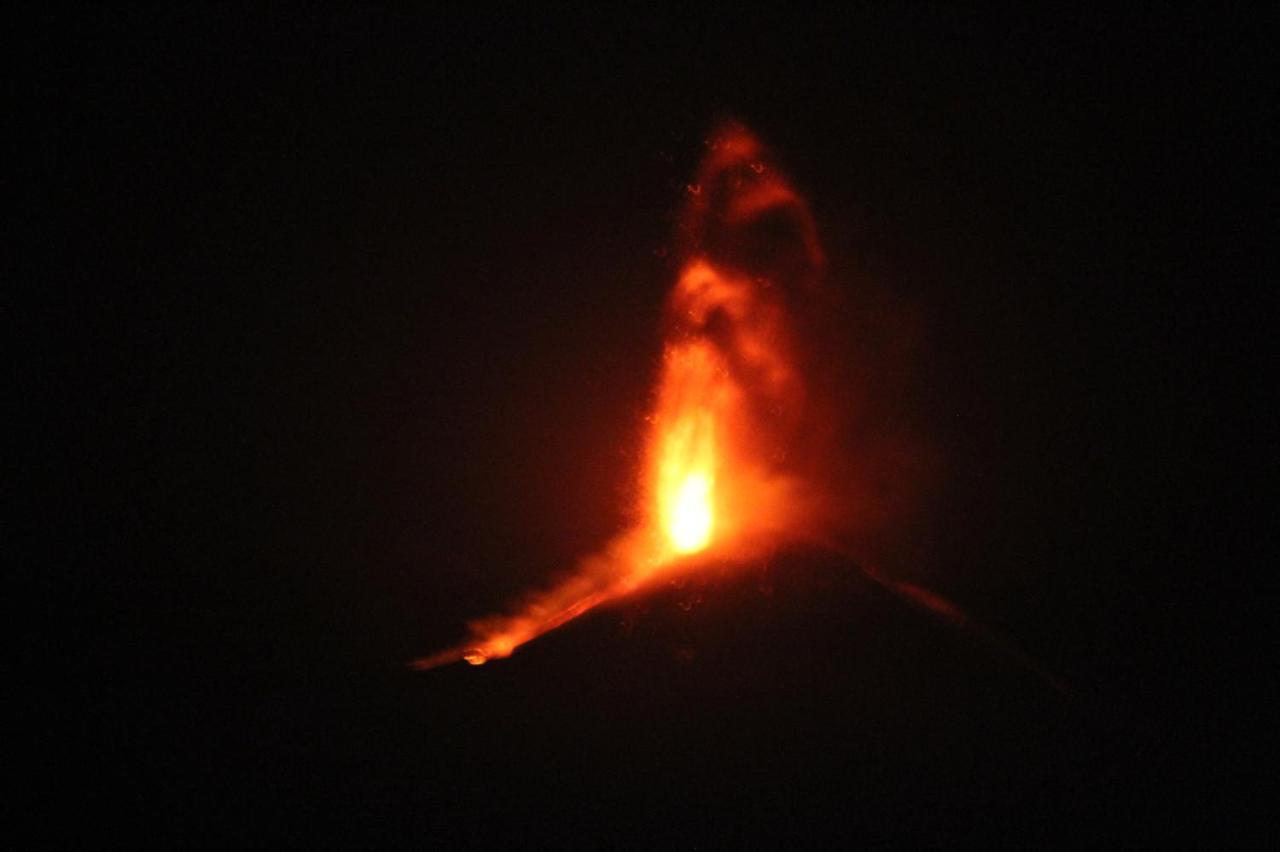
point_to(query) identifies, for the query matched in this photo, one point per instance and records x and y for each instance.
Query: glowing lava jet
(735, 431)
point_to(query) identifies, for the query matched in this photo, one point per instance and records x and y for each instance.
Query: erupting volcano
(735, 449)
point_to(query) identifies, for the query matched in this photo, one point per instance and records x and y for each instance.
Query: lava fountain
(736, 439)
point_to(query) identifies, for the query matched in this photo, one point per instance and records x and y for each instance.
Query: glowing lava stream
(720, 481)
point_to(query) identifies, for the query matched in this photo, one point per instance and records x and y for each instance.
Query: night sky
(344, 327)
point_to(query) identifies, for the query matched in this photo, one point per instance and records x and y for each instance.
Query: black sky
(347, 324)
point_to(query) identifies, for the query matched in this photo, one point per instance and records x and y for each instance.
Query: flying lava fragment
(735, 435)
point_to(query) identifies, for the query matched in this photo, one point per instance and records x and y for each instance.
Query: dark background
(344, 326)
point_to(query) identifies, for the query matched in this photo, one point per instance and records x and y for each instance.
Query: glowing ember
(731, 410)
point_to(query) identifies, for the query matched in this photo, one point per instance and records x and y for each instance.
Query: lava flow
(735, 431)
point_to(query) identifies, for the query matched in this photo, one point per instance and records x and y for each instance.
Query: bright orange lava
(729, 405)
(685, 448)
(690, 518)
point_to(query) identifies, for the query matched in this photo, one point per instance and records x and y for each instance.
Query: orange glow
(720, 481)
(686, 453)
(689, 524)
